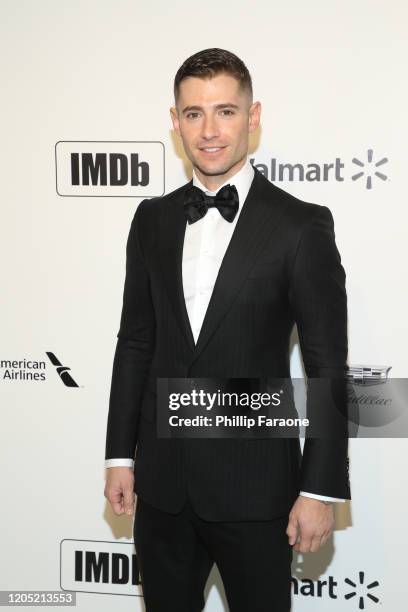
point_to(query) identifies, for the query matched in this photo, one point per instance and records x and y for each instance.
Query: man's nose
(209, 128)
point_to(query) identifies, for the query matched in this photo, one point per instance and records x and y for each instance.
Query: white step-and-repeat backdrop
(96, 76)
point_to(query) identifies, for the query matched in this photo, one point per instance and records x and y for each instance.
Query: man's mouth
(211, 150)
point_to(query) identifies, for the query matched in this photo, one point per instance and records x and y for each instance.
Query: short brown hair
(211, 62)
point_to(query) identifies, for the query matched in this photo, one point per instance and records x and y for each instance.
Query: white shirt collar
(241, 179)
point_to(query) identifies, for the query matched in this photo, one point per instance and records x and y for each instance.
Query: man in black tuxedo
(217, 274)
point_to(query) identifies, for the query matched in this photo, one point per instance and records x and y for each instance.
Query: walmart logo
(360, 594)
(361, 590)
(369, 169)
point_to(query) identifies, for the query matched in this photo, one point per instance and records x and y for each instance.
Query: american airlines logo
(62, 371)
(35, 370)
(369, 167)
(109, 169)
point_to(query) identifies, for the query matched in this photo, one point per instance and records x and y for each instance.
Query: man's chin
(213, 169)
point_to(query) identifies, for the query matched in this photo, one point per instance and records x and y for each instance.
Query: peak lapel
(172, 230)
(258, 218)
(259, 215)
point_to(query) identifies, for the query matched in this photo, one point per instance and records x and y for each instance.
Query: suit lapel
(172, 230)
(259, 215)
(254, 227)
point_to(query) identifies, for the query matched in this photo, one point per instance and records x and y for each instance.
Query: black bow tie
(196, 203)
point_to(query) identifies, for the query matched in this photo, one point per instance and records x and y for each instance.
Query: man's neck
(213, 182)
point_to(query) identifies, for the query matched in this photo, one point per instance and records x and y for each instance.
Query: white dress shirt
(205, 244)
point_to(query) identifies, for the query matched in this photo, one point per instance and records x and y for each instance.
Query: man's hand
(119, 489)
(310, 524)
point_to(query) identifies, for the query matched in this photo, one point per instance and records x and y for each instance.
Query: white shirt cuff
(321, 497)
(119, 463)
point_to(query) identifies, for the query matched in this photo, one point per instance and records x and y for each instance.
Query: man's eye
(226, 110)
(192, 115)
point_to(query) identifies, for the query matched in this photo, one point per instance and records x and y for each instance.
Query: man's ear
(175, 119)
(254, 116)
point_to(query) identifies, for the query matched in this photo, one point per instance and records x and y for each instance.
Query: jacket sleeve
(319, 302)
(134, 350)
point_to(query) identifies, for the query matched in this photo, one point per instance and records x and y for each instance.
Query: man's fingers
(315, 543)
(117, 507)
(119, 490)
(315, 523)
(116, 500)
(129, 498)
(311, 542)
(303, 546)
(325, 537)
(292, 530)
(306, 535)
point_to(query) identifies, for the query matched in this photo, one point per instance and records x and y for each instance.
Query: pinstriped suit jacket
(281, 268)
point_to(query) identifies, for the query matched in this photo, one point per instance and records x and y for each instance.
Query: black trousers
(176, 552)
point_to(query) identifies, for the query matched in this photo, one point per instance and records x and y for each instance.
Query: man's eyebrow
(217, 107)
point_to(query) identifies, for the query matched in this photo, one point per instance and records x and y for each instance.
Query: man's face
(214, 117)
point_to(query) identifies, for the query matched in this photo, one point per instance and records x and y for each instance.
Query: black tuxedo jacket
(281, 267)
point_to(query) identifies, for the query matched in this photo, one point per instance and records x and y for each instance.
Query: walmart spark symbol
(370, 170)
(360, 589)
